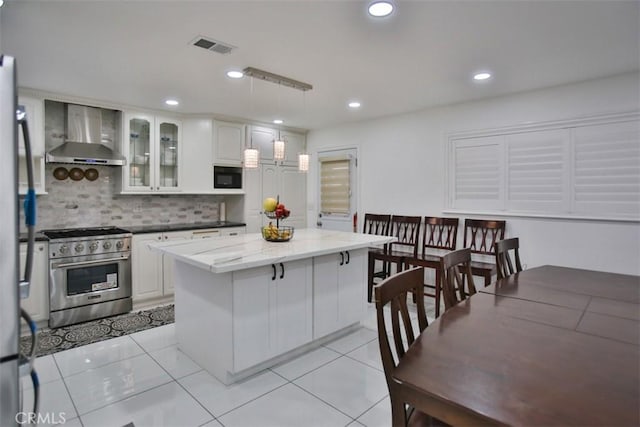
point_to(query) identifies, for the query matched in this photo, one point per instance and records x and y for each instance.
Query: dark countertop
(156, 228)
(39, 237)
(160, 228)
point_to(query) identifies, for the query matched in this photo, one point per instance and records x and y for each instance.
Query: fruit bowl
(271, 233)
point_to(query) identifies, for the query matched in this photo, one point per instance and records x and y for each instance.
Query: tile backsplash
(96, 203)
(85, 203)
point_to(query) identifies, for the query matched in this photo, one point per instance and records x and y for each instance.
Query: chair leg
(398, 413)
(437, 292)
(413, 294)
(370, 277)
(487, 279)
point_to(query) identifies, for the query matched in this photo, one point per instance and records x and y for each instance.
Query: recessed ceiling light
(171, 102)
(278, 121)
(482, 76)
(354, 104)
(235, 74)
(380, 8)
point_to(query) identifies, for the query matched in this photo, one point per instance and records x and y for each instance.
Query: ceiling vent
(212, 45)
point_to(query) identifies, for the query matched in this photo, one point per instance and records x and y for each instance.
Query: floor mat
(58, 339)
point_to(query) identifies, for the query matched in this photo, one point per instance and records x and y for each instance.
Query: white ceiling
(138, 52)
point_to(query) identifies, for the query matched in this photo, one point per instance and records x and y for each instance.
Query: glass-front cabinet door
(169, 149)
(153, 147)
(139, 175)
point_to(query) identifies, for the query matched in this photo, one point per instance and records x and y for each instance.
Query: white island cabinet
(243, 304)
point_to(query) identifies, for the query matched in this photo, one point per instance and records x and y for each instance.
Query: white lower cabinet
(338, 284)
(272, 311)
(152, 273)
(168, 262)
(146, 267)
(37, 305)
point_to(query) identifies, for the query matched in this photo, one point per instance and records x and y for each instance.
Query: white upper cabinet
(34, 108)
(153, 147)
(197, 155)
(228, 143)
(294, 144)
(262, 138)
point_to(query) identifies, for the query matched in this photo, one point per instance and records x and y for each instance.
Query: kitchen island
(243, 304)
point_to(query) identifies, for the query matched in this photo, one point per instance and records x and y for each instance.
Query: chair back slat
(376, 224)
(406, 229)
(504, 265)
(481, 235)
(439, 233)
(456, 275)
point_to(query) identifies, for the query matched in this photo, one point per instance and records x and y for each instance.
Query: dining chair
(392, 293)
(503, 261)
(406, 230)
(438, 234)
(376, 224)
(480, 236)
(456, 276)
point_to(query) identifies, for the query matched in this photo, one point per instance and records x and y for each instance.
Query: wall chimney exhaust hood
(83, 145)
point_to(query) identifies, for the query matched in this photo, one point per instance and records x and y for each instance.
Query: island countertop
(232, 253)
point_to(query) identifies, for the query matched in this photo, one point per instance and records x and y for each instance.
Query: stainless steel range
(89, 274)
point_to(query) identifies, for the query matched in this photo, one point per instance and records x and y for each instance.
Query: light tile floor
(143, 378)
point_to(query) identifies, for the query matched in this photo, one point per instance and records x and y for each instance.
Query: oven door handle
(97, 261)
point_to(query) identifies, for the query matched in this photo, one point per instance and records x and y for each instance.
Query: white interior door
(337, 187)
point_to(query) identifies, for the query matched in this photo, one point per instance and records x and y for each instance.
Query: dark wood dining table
(549, 346)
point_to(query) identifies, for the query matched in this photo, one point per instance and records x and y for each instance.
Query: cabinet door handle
(348, 257)
(157, 188)
(341, 258)
(159, 237)
(274, 272)
(150, 188)
(282, 274)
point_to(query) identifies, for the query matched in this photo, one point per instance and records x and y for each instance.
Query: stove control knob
(119, 244)
(106, 245)
(93, 246)
(79, 248)
(64, 249)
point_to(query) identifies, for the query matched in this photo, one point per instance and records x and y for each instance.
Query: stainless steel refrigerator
(12, 285)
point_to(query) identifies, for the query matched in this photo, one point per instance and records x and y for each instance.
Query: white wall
(402, 168)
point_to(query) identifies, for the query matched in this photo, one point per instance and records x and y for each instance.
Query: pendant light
(303, 158)
(278, 149)
(251, 155)
(303, 162)
(278, 144)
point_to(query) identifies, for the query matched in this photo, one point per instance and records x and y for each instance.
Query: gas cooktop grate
(83, 232)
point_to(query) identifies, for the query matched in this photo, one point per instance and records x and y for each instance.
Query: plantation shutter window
(607, 169)
(587, 168)
(537, 171)
(335, 191)
(477, 180)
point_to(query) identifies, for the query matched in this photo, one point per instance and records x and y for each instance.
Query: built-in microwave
(227, 177)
